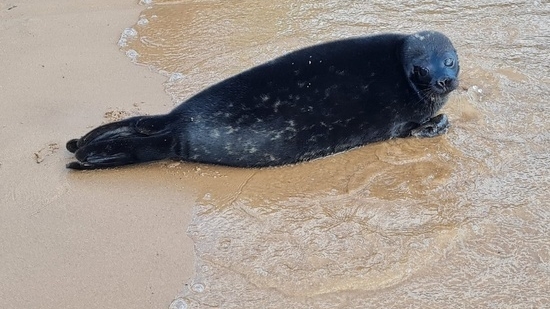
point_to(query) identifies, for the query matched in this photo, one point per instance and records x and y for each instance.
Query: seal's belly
(280, 141)
(259, 144)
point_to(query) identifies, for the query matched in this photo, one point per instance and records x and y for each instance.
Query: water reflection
(459, 220)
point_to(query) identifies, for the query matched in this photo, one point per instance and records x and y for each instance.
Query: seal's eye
(449, 62)
(420, 71)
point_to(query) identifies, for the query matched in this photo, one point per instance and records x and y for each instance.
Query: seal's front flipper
(123, 151)
(435, 126)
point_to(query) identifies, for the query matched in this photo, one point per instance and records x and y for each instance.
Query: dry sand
(107, 239)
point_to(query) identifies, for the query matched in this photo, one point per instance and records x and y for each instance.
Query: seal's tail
(134, 140)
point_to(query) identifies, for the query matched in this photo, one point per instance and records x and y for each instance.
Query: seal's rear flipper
(131, 127)
(134, 140)
(72, 145)
(105, 162)
(123, 151)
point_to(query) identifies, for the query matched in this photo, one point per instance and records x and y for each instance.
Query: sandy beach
(70, 240)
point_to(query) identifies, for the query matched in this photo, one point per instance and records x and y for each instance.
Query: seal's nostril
(445, 82)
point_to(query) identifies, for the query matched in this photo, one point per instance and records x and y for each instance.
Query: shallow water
(461, 220)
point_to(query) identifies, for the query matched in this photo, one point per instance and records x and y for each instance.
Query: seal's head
(431, 63)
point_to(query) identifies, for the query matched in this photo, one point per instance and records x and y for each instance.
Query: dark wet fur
(304, 105)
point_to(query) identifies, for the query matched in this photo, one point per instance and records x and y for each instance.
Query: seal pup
(307, 104)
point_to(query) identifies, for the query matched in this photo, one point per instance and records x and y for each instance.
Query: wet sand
(70, 240)
(457, 221)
